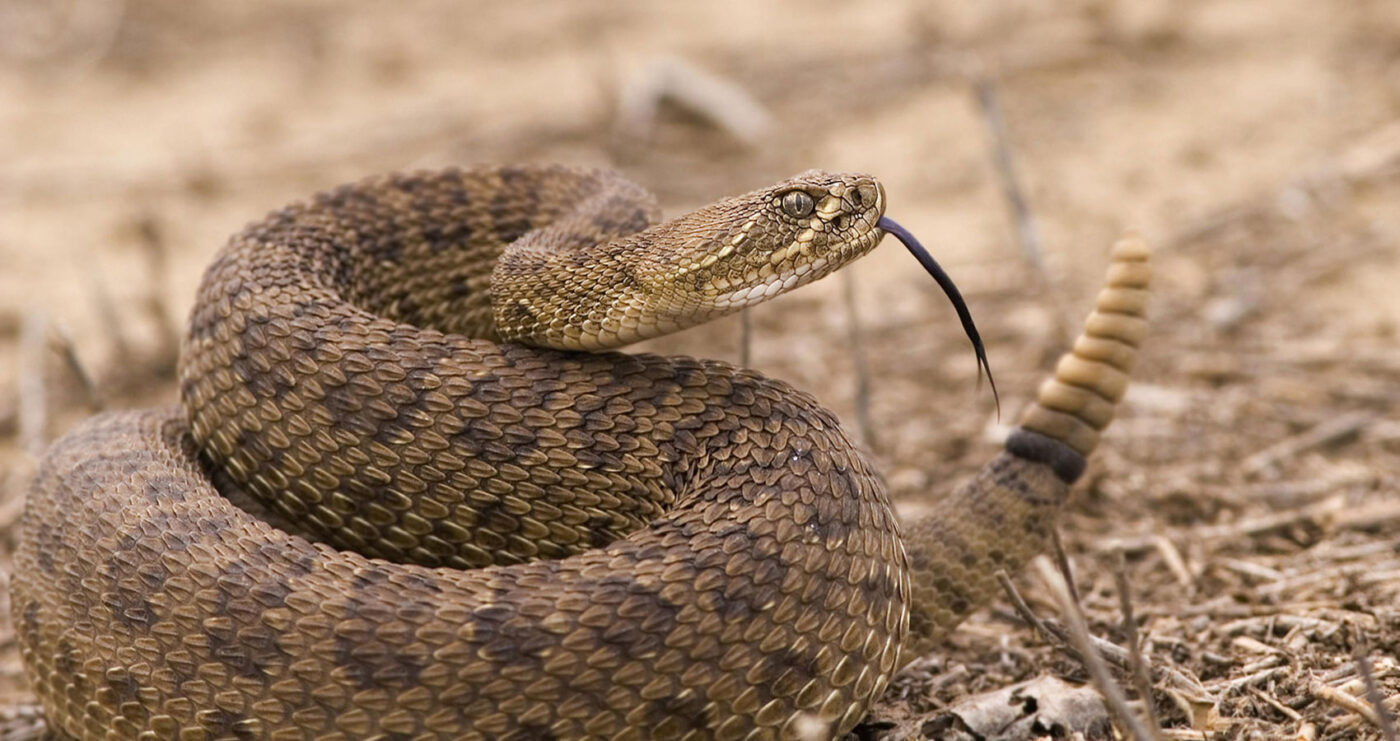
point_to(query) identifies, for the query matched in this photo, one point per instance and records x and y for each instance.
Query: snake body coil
(551, 544)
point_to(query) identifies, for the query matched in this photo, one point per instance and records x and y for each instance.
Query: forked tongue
(951, 290)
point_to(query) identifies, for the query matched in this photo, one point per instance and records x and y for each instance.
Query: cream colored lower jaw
(750, 295)
(659, 321)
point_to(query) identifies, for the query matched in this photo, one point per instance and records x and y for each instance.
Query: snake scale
(397, 500)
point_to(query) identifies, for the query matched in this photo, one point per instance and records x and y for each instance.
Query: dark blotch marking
(803, 663)
(45, 537)
(957, 544)
(920, 620)
(224, 724)
(130, 608)
(67, 659)
(620, 217)
(343, 402)
(641, 645)
(517, 313)
(126, 689)
(30, 624)
(388, 248)
(537, 732)
(1009, 477)
(368, 577)
(952, 596)
(264, 385)
(377, 665)
(515, 199)
(599, 531)
(301, 567)
(692, 711)
(627, 277)
(443, 237)
(251, 653)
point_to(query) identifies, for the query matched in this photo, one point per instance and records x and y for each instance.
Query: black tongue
(951, 290)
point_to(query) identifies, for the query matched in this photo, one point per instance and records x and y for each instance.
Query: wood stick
(1373, 695)
(157, 268)
(1343, 700)
(9, 415)
(1112, 693)
(1286, 711)
(1027, 229)
(64, 345)
(720, 101)
(1137, 662)
(1322, 434)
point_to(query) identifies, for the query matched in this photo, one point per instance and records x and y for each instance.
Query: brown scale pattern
(578, 545)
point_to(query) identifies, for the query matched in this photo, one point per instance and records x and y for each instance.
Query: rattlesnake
(583, 544)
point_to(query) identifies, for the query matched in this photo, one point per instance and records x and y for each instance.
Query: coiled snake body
(551, 543)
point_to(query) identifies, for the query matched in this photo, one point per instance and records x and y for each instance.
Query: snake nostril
(869, 194)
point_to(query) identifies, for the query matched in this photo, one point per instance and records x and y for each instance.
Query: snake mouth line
(950, 289)
(832, 259)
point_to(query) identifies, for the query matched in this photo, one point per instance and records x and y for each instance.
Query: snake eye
(798, 204)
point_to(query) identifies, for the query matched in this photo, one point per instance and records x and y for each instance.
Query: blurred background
(1256, 143)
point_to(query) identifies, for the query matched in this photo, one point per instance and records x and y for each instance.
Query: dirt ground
(1248, 490)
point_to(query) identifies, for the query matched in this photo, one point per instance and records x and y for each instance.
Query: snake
(411, 490)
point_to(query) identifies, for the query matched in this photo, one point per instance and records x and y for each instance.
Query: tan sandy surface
(1256, 143)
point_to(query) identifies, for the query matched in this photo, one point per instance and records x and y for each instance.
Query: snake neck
(549, 292)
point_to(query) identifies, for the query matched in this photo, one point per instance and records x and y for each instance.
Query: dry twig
(1329, 514)
(1042, 628)
(1027, 231)
(74, 363)
(1373, 695)
(111, 320)
(1190, 689)
(1327, 432)
(1079, 637)
(722, 102)
(1343, 700)
(1137, 662)
(157, 267)
(9, 414)
(1284, 710)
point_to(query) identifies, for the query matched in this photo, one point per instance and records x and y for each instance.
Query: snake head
(733, 253)
(775, 239)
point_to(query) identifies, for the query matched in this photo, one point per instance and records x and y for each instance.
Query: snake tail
(1004, 516)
